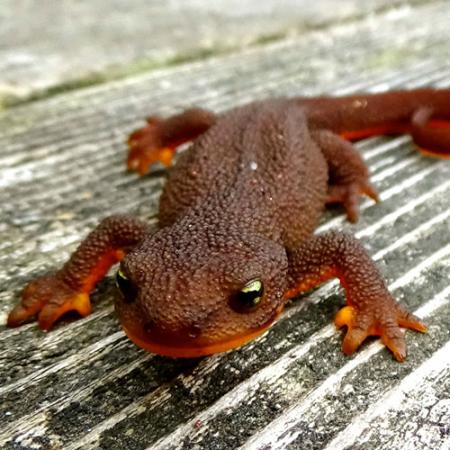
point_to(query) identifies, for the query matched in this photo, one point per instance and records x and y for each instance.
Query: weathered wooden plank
(84, 386)
(413, 415)
(58, 45)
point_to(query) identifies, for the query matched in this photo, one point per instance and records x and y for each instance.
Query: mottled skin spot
(239, 209)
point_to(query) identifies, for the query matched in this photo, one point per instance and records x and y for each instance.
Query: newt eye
(249, 296)
(126, 286)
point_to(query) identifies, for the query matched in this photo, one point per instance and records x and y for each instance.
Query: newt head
(193, 297)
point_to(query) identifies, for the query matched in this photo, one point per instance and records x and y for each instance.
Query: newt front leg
(371, 310)
(50, 297)
(157, 141)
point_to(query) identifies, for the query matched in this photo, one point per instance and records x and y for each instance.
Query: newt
(235, 239)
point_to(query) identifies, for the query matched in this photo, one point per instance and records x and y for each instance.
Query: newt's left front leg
(371, 310)
(50, 297)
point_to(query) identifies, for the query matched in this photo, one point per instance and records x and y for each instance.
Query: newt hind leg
(348, 173)
(157, 141)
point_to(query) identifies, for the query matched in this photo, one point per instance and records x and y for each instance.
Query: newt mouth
(186, 347)
(191, 351)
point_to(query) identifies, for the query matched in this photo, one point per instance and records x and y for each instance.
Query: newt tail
(422, 113)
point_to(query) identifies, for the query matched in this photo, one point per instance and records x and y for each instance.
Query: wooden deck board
(85, 386)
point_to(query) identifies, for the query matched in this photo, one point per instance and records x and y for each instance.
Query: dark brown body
(259, 167)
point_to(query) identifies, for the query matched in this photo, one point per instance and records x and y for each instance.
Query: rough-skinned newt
(235, 238)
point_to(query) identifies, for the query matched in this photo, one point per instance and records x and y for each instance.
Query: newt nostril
(194, 330)
(149, 327)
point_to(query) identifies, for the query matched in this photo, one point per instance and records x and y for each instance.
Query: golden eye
(249, 296)
(126, 286)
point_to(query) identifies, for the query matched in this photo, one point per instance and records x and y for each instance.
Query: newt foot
(146, 148)
(348, 195)
(48, 298)
(384, 322)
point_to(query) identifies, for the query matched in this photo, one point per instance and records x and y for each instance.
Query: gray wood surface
(49, 45)
(85, 386)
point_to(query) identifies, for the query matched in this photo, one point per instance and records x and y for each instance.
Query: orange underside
(390, 128)
(308, 283)
(192, 352)
(196, 351)
(393, 128)
(434, 153)
(401, 128)
(102, 267)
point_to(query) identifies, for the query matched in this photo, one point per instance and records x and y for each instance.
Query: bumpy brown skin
(240, 205)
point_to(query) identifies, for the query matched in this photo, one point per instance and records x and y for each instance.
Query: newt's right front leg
(50, 297)
(157, 141)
